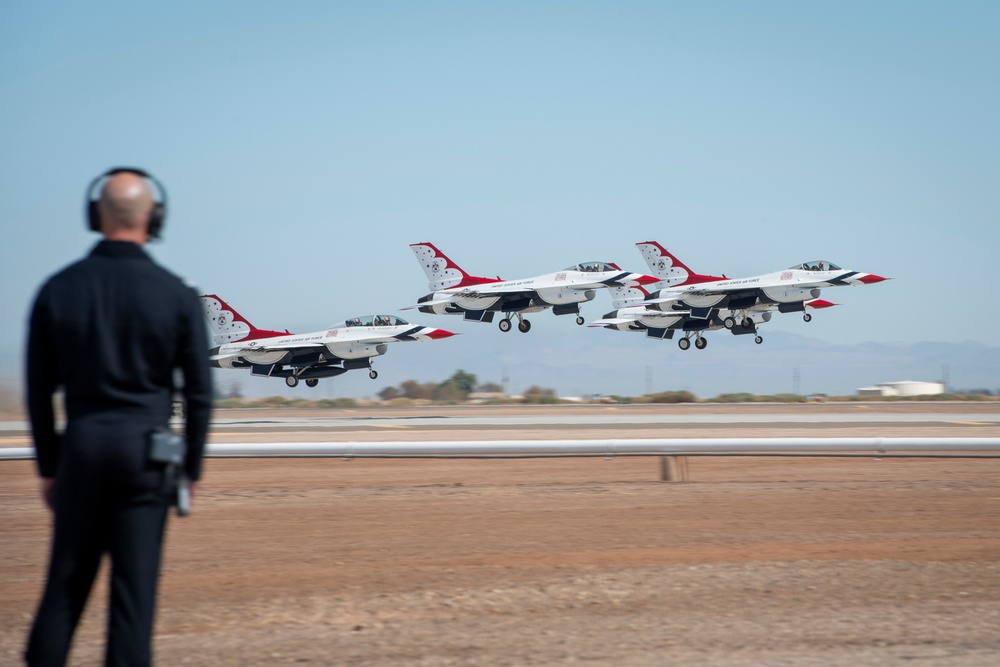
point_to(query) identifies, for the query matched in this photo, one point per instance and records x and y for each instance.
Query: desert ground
(754, 561)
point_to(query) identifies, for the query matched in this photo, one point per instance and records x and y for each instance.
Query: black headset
(156, 216)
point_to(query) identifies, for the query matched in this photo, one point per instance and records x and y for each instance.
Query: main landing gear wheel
(524, 326)
(684, 343)
(580, 320)
(729, 322)
(758, 340)
(505, 324)
(312, 382)
(292, 381)
(700, 343)
(807, 318)
(373, 374)
(747, 322)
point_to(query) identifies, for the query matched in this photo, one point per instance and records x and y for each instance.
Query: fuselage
(570, 286)
(358, 338)
(794, 285)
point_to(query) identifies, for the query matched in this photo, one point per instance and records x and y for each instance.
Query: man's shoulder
(68, 273)
(165, 280)
(177, 280)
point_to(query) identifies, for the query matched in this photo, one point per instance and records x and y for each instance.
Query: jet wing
(673, 298)
(612, 321)
(433, 302)
(624, 279)
(491, 294)
(453, 297)
(644, 315)
(287, 345)
(416, 332)
(769, 282)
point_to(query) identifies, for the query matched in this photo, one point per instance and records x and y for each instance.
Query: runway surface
(595, 416)
(813, 562)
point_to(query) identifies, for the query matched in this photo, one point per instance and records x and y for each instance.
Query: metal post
(673, 469)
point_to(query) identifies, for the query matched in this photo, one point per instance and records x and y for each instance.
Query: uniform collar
(125, 249)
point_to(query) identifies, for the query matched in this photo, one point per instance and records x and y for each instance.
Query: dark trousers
(107, 499)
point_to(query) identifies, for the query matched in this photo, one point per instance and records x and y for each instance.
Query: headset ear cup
(156, 220)
(93, 216)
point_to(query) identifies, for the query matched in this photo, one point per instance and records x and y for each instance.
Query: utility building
(903, 388)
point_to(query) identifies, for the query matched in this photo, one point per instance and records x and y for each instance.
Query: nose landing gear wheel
(524, 326)
(312, 382)
(684, 343)
(807, 318)
(579, 320)
(700, 343)
(373, 374)
(292, 381)
(758, 340)
(504, 325)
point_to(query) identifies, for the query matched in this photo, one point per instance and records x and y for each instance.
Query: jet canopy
(593, 267)
(375, 321)
(818, 265)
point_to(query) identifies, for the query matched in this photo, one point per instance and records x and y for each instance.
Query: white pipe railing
(876, 447)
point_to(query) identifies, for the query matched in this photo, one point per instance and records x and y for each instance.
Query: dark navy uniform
(111, 331)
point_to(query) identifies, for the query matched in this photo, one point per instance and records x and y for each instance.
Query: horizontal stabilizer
(819, 303)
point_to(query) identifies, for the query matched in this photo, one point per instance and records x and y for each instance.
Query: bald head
(125, 204)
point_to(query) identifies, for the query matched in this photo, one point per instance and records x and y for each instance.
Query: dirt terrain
(755, 561)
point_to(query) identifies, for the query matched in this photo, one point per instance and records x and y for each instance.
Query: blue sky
(305, 145)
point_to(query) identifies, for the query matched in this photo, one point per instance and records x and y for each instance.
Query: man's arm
(41, 381)
(197, 385)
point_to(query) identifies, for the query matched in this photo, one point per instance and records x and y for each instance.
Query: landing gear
(312, 382)
(373, 373)
(807, 318)
(699, 342)
(729, 322)
(747, 322)
(292, 381)
(758, 340)
(523, 325)
(580, 320)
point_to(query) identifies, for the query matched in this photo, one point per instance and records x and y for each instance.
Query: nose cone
(871, 279)
(439, 333)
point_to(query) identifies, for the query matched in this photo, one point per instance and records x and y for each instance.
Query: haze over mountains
(579, 361)
(575, 364)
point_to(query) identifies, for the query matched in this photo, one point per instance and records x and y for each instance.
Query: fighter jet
(346, 346)
(661, 324)
(695, 303)
(477, 298)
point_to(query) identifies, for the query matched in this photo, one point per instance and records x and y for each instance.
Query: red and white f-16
(321, 354)
(694, 303)
(476, 298)
(661, 324)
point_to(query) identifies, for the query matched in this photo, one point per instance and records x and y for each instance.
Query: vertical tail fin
(671, 270)
(441, 272)
(227, 325)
